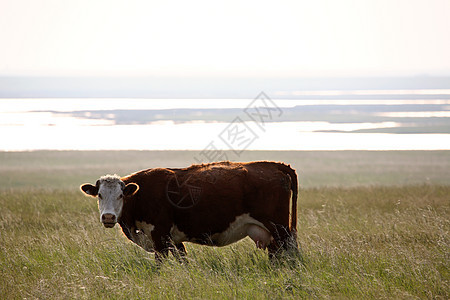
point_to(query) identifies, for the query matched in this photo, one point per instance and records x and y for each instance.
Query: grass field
(371, 225)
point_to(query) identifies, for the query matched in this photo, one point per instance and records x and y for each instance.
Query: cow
(213, 204)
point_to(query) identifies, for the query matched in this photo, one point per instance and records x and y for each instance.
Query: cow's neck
(126, 219)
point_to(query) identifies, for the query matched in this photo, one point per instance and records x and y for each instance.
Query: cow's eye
(120, 196)
(100, 196)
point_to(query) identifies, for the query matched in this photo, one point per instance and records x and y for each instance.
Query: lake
(226, 124)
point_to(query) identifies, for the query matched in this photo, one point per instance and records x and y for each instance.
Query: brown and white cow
(212, 204)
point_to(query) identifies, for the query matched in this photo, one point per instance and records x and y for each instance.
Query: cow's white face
(110, 191)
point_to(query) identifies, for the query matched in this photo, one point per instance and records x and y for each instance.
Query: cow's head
(110, 191)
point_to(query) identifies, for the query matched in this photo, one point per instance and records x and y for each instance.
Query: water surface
(227, 124)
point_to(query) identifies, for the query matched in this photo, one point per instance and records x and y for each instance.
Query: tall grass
(359, 242)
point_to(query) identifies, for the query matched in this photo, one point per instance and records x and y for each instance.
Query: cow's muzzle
(109, 220)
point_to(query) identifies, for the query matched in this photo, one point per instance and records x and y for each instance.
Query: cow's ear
(130, 189)
(89, 189)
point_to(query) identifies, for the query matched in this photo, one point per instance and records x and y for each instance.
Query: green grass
(371, 242)
(383, 240)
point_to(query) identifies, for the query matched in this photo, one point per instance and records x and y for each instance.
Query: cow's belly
(242, 226)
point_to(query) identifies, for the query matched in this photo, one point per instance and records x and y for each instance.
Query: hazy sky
(225, 38)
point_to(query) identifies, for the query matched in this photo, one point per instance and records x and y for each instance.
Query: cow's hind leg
(283, 240)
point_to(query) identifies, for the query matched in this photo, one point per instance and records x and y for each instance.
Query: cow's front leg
(161, 245)
(160, 256)
(179, 251)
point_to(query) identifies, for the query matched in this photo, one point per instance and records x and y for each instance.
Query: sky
(224, 38)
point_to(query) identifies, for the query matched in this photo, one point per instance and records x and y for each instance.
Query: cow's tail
(294, 188)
